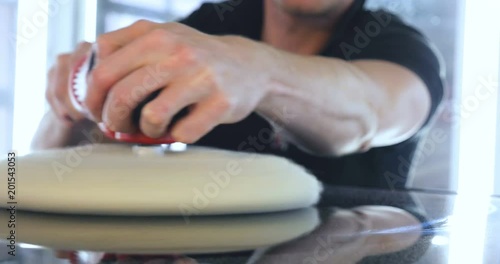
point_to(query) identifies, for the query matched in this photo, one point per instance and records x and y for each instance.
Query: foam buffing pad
(116, 180)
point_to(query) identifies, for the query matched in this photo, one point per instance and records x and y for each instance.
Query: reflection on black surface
(350, 226)
(348, 236)
(163, 235)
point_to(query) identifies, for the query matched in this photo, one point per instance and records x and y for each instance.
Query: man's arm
(336, 107)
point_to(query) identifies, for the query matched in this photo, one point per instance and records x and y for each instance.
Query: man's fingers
(57, 93)
(62, 82)
(103, 76)
(148, 48)
(82, 50)
(60, 111)
(201, 120)
(65, 83)
(50, 92)
(112, 41)
(126, 94)
(115, 67)
(59, 76)
(157, 115)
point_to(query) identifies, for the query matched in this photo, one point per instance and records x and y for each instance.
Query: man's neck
(298, 34)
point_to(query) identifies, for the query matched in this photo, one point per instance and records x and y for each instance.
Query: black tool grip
(136, 114)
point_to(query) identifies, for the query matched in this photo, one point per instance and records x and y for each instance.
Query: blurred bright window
(8, 13)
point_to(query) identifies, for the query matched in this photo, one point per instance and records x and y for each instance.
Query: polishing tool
(78, 91)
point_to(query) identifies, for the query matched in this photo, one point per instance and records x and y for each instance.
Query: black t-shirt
(361, 34)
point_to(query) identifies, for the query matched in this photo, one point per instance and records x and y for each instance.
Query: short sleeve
(383, 36)
(242, 18)
(202, 19)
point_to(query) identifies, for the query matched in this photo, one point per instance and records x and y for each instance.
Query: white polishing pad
(118, 180)
(161, 235)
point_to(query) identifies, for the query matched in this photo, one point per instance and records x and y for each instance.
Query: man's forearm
(336, 107)
(54, 133)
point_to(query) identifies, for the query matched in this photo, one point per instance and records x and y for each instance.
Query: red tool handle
(138, 138)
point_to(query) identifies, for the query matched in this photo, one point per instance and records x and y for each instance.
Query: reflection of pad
(115, 180)
(161, 235)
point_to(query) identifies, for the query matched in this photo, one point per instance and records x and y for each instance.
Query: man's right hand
(59, 82)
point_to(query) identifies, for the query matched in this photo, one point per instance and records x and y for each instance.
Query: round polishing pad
(120, 180)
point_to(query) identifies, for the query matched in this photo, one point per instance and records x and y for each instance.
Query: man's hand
(57, 92)
(63, 124)
(218, 78)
